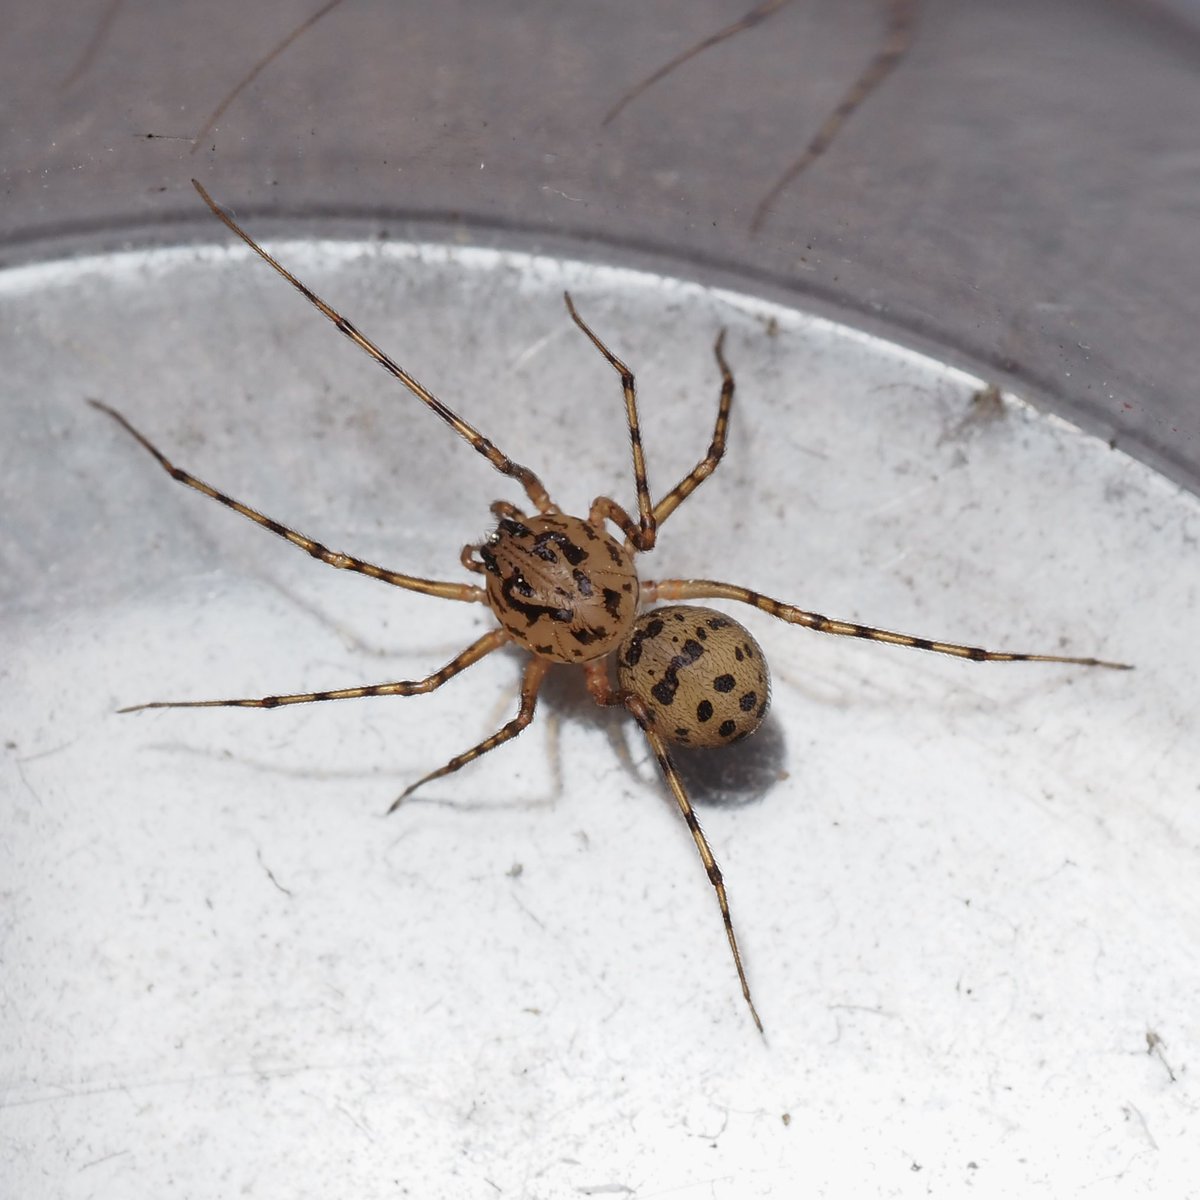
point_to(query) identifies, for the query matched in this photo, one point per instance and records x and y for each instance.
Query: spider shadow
(733, 776)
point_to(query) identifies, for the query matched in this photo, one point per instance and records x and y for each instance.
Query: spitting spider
(566, 590)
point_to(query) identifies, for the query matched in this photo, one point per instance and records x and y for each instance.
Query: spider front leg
(708, 589)
(603, 693)
(531, 682)
(642, 534)
(533, 486)
(346, 562)
(716, 450)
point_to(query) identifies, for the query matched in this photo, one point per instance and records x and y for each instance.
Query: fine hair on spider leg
(566, 590)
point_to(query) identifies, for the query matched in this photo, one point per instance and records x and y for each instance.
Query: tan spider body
(567, 591)
(563, 588)
(702, 676)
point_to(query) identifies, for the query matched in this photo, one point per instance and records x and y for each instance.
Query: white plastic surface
(968, 894)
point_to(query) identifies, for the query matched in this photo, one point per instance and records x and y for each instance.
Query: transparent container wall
(966, 893)
(1019, 194)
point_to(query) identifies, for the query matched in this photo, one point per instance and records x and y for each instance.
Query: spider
(566, 590)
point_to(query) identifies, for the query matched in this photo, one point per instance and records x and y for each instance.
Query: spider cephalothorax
(567, 591)
(562, 587)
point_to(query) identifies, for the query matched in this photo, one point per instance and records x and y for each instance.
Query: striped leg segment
(415, 687)
(709, 589)
(346, 562)
(716, 450)
(641, 535)
(533, 486)
(535, 672)
(603, 693)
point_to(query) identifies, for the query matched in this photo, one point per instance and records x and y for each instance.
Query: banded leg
(415, 687)
(716, 450)
(346, 562)
(603, 693)
(535, 672)
(641, 535)
(901, 19)
(533, 486)
(708, 589)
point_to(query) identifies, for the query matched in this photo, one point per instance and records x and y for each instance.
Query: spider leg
(699, 589)
(901, 19)
(603, 693)
(708, 464)
(430, 587)
(468, 560)
(533, 486)
(535, 672)
(414, 687)
(641, 535)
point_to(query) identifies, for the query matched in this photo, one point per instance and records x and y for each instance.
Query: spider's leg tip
(400, 799)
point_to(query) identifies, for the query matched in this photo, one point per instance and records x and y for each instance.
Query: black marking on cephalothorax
(704, 711)
(723, 683)
(702, 633)
(515, 588)
(585, 637)
(737, 653)
(612, 602)
(614, 553)
(583, 582)
(512, 527)
(664, 690)
(727, 728)
(572, 553)
(719, 622)
(488, 558)
(748, 701)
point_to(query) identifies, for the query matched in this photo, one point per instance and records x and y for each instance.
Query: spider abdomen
(563, 588)
(701, 675)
